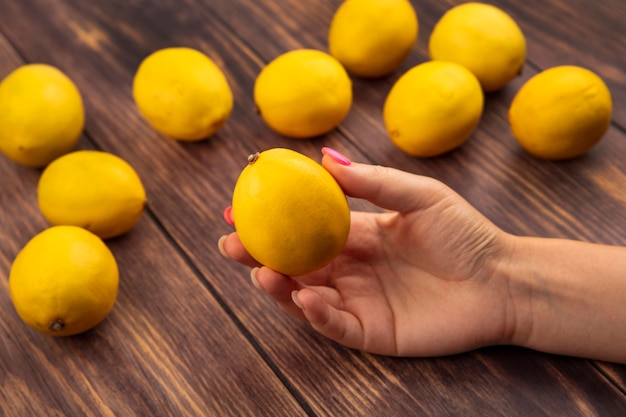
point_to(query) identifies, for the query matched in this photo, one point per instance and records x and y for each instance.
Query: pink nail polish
(228, 215)
(336, 156)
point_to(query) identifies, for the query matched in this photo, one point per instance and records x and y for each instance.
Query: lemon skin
(64, 281)
(95, 190)
(303, 93)
(182, 93)
(483, 38)
(561, 113)
(289, 212)
(371, 38)
(433, 108)
(41, 115)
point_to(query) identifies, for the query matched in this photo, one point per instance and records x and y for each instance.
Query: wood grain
(158, 352)
(190, 335)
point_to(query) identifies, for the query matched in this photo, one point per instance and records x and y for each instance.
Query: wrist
(516, 282)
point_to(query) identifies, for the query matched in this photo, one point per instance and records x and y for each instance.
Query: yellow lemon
(182, 93)
(483, 38)
(561, 112)
(64, 281)
(95, 190)
(371, 38)
(433, 108)
(303, 93)
(41, 115)
(289, 212)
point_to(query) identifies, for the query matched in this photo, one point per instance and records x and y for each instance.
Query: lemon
(95, 190)
(303, 93)
(561, 113)
(371, 38)
(483, 38)
(41, 115)
(64, 281)
(289, 212)
(182, 93)
(433, 108)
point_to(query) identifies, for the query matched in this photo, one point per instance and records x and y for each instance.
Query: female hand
(419, 279)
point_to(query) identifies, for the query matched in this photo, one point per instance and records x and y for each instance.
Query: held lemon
(95, 190)
(289, 212)
(371, 38)
(41, 115)
(483, 38)
(303, 93)
(433, 108)
(64, 281)
(182, 93)
(561, 113)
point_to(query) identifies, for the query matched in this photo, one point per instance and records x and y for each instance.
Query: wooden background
(189, 334)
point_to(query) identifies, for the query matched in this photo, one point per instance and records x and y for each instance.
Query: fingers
(388, 188)
(279, 287)
(320, 306)
(230, 247)
(276, 285)
(328, 319)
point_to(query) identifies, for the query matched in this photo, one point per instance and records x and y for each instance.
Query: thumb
(388, 188)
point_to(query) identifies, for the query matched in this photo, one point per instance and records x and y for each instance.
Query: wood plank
(199, 179)
(566, 199)
(151, 356)
(580, 199)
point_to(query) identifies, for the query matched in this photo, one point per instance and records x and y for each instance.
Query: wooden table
(189, 334)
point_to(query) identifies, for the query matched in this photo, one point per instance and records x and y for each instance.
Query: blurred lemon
(303, 93)
(433, 108)
(561, 112)
(483, 38)
(371, 38)
(95, 190)
(289, 212)
(182, 93)
(41, 115)
(64, 281)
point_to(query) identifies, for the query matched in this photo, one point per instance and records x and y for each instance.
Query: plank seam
(615, 383)
(233, 317)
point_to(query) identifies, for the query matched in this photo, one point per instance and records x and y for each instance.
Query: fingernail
(294, 297)
(336, 156)
(220, 246)
(255, 282)
(228, 215)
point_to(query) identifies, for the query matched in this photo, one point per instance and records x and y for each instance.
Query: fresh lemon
(64, 281)
(371, 38)
(433, 108)
(41, 115)
(483, 38)
(95, 190)
(182, 93)
(289, 212)
(303, 93)
(561, 112)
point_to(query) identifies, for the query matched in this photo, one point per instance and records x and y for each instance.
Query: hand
(419, 279)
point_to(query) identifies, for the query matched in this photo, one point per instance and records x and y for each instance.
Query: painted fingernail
(336, 156)
(220, 246)
(294, 298)
(255, 282)
(228, 215)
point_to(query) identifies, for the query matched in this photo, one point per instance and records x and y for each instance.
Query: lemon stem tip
(56, 325)
(253, 157)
